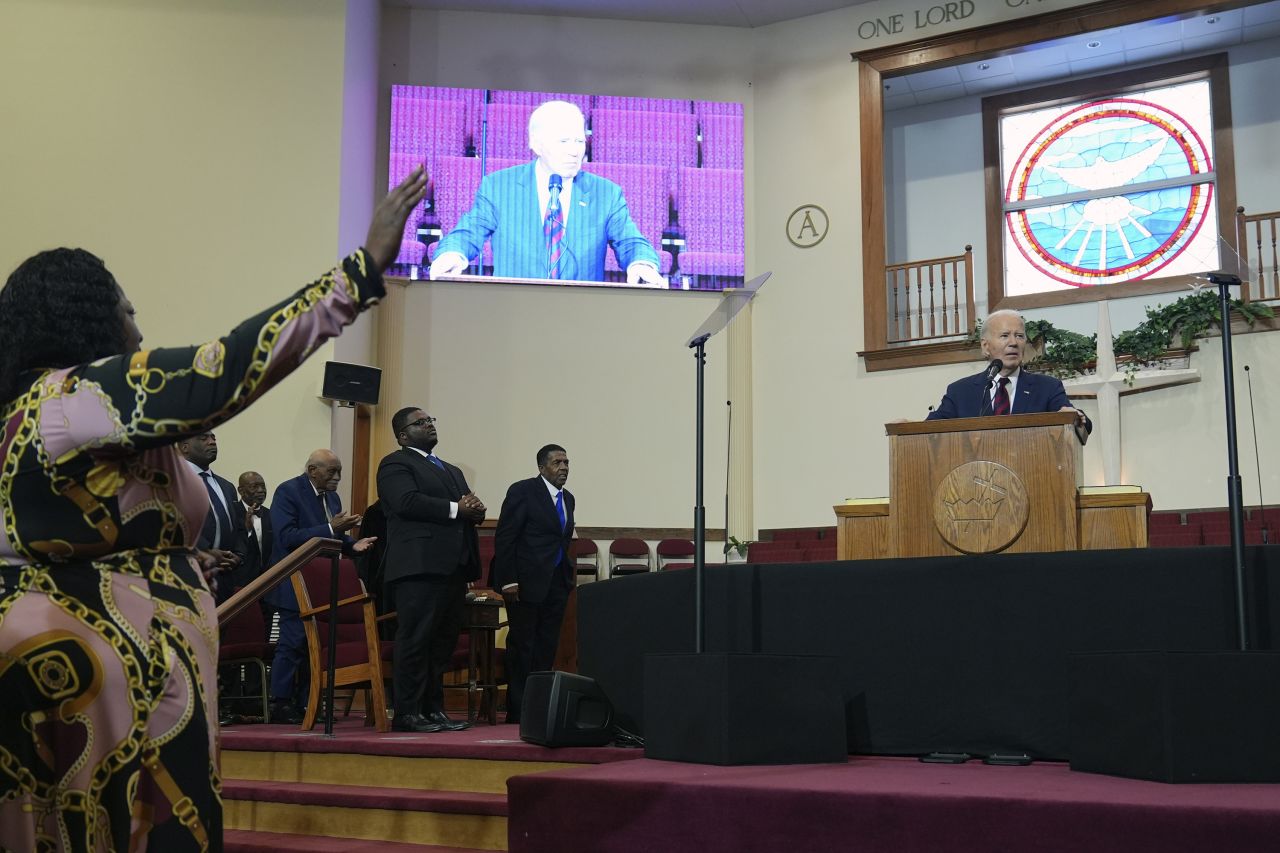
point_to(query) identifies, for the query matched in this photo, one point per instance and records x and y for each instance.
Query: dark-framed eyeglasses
(421, 422)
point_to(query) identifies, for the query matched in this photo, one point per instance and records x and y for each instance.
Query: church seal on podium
(980, 508)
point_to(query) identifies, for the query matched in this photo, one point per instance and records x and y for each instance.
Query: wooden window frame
(1212, 68)
(875, 66)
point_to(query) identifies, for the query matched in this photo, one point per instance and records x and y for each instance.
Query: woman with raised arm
(108, 636)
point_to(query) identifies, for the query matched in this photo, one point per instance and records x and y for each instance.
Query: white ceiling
(725, 13)
(1136, 44)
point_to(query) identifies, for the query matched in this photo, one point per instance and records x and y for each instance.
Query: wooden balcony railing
(282, 570)
(930, 301)
(1256, 238)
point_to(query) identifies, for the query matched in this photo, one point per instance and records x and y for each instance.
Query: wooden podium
(987, 485)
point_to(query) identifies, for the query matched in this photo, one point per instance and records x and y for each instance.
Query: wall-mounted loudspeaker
(351, 383)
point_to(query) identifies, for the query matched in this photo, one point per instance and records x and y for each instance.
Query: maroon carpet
(880, 804)
(498, 743)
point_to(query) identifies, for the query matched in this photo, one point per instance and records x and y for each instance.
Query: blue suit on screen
(296, 516)
(506, 212)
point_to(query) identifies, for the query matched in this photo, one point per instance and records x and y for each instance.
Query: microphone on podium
(993, 369)
(555, 182)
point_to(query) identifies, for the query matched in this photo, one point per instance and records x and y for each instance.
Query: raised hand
(387, 226)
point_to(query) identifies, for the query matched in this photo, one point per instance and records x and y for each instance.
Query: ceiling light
(984, 66)
(1211, 20)
(1094, 45)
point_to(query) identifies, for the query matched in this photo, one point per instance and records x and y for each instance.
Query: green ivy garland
(1067, 354)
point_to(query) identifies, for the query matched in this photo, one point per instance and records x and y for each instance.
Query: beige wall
(195, 147)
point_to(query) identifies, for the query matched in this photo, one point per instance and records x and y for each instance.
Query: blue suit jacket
(506, 212)
(297, 517)
(1036, 393)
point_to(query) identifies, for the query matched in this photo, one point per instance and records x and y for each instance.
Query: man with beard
(432, 552)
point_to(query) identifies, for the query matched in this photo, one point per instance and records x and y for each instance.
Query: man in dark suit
(303, 507)
(258, 533)
(432, 553)
(223, 533)
(532, 569)
(1013, 390)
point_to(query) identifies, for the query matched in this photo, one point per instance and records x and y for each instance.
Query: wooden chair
(360, 654)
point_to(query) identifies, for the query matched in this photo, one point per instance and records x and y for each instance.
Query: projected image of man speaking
(547, 218)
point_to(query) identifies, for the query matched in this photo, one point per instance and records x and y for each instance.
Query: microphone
(1253, 421)
(555, 182)
(993, 370)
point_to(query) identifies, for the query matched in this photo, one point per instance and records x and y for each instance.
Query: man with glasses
(432, 552)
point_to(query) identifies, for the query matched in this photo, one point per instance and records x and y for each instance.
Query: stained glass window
(1109, 190)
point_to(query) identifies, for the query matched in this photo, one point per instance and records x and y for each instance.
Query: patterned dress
(108, 636)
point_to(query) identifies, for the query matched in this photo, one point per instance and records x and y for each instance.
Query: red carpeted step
(245, 841)
(356, 796)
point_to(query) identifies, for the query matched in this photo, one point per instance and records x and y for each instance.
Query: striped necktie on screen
(1000, 405)
(553, 227)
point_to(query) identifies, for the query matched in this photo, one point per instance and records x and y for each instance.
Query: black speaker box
(743, 709)
(351, 383)
(563, 709)
(1177, 716)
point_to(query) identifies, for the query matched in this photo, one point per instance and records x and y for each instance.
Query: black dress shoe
(285, 712)
(414, 723)
(441, 719)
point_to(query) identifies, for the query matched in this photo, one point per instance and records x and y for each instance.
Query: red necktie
(1000, 405)
(553, 228)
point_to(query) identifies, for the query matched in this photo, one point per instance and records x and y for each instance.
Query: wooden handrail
(315, 547)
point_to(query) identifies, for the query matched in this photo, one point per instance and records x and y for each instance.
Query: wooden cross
(1109, 384)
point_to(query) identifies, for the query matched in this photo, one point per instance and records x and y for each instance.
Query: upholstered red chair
(362, 660)
(675, 554)
(243, 643)
(628, 557)
(585, 555)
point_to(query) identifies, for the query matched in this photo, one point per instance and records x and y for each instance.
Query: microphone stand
(1235, 494)
(699, 513)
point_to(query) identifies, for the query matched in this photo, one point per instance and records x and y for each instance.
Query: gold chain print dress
(108, 636)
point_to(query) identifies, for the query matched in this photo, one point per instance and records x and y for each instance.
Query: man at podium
(1004, 387)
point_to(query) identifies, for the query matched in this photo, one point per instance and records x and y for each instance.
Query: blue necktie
(221, 521)
(436, 460)
(563, 522)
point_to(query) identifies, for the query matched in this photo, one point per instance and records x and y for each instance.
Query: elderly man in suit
(303, 507)
(258, 533)
(547, 218)
(1008, 389)
(223, 533)
(532, 568)
(432, 553)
